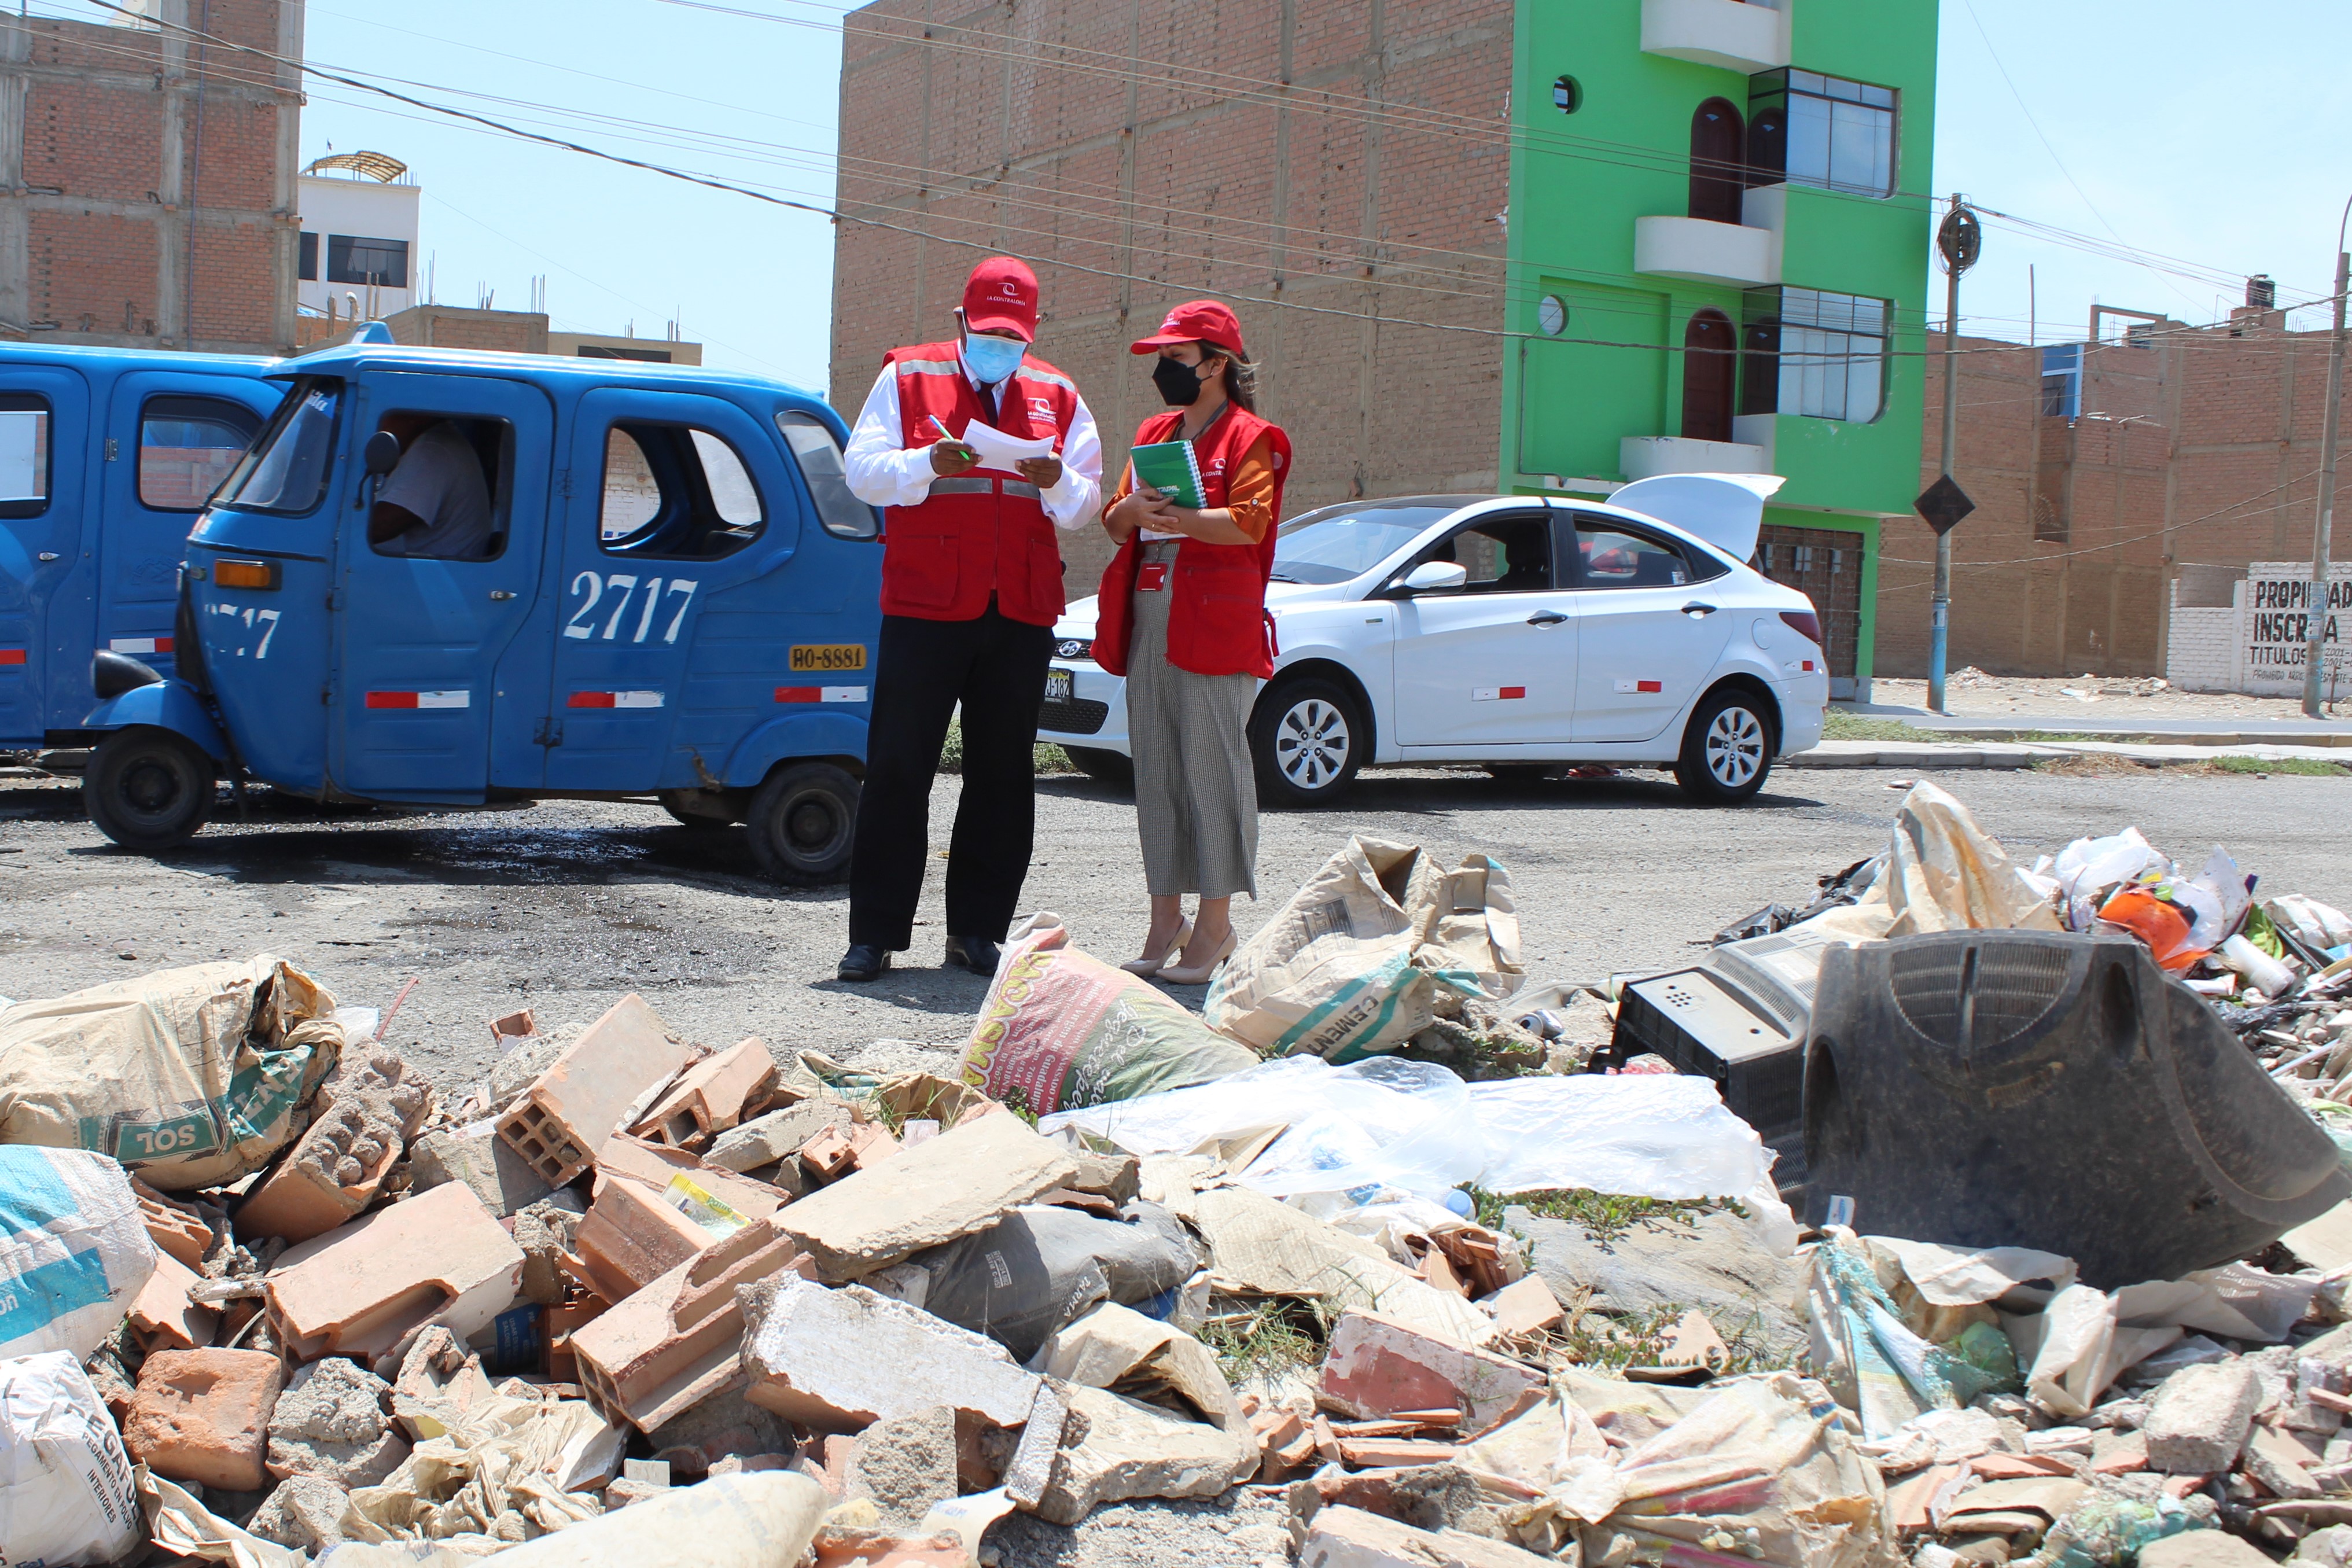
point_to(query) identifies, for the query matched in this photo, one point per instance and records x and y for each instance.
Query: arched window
(1710, 359)
(1717, 162)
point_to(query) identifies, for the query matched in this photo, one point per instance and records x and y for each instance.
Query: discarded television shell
(2038, 1088)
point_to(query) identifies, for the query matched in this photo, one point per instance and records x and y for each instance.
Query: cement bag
(189, 1076)
(1063, 1028)
(1945, 873)
(66, 1492)
(1040, 1268)
(74, 1252)
(1349, 966)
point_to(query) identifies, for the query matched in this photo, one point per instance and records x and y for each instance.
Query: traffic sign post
(1961, 238)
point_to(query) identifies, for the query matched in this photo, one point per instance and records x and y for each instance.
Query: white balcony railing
(1729, 34)
(1646, 456)
(1700, 251)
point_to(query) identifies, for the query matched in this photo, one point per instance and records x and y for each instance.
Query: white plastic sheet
(1416, 1128)
(66, 1490)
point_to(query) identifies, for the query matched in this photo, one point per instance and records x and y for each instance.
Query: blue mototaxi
(678, 603)
(105, 457)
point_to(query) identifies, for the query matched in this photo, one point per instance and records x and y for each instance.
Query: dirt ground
(564, 907)
(1972, 694)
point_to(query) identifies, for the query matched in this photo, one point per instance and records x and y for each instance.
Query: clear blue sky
(2202, 136)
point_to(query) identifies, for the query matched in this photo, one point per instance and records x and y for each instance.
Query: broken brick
(657, 1164)
(161, 1316)
(365, 1111)
(828, 1154)
(631, 1237)
(708, 1098)
(1341, 1537)
(1377, 1365)
(569, 1110)
(1391, 1452)
(202, 1415)
(1525, 1307)
(175, 1227)
(358, 1289)
(674, 1343)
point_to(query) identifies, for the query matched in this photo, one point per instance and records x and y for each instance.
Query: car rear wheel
(1111, 767)
(149, 789)
(1727, 749)
(802, 824)
(1307, 737)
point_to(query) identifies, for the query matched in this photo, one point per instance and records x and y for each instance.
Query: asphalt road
(564, 907)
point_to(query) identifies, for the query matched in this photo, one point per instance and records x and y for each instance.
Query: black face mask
(1179, 384)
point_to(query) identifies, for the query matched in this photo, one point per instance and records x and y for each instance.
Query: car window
(187, 447)
(676, 491)
(1506, 554)
(287, 469)
(451, 488)
(24, 454)
(819, 455)
(1341, 543)
(1610, 555)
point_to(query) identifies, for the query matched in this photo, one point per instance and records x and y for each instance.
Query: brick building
(147, 178)
(1350, 160)
(2113, 480)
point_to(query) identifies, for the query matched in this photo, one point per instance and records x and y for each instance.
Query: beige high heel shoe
(1199, 974)
(1148, 967)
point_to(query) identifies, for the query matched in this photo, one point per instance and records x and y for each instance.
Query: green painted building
(1720, 239)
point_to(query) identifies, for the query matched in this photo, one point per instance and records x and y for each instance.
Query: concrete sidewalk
(2191, 731)
(1927, 754)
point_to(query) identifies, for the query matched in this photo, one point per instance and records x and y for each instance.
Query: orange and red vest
(1217, 621)
(986, 531)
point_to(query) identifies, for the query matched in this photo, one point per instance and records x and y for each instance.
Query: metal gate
(1825, 566)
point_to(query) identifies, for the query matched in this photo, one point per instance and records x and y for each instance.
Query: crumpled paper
(178, 1523)
(507, 1454)
(1945, 873)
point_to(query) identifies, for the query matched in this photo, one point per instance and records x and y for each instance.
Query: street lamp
(2325, 525)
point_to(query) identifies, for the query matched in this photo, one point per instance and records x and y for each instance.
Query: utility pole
(1960, 239)
(2321, 610)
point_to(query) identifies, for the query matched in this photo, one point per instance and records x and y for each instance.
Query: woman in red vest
(1183, 618)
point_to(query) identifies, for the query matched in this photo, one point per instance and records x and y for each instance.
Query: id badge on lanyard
(1151, 578)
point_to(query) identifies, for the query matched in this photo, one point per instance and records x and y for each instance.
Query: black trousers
(996, 669)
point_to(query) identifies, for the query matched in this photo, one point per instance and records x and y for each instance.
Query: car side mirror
(1435, 577)
(381, 453)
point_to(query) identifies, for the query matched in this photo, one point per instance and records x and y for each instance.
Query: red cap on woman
(1195, 321)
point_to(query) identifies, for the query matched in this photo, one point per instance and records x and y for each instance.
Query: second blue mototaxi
(677, 602)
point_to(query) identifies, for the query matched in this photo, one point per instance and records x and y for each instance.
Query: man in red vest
(971, 585)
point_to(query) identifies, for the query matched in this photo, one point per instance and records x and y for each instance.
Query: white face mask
(992, 359)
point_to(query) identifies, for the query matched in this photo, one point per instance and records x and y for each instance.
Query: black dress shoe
(864, 961)
(976, 953)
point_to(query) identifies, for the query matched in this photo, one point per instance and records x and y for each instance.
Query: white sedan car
(1523, 633)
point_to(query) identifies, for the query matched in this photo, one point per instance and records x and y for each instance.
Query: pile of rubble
(270, 1298)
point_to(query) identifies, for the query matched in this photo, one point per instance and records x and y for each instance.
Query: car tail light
(1805, 624)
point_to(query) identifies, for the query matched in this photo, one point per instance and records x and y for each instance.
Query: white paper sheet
(999, 451)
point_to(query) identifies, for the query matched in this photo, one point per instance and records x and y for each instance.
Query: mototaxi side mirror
(1435, 577)
(381, 453)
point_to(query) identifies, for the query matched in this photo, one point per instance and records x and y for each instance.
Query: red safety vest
(986, 531)
(1217, 623)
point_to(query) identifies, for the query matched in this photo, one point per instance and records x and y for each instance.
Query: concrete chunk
(778, 1135)
(571, 1108)
(840, 1360)
(204, 1416)
(925, 1196)
(1377, 1366)
(2198, 1423)
(312, 1515)
(1114, 1449)
(357, 1291)
(500, 1177)
(1343, 1537)
(2202, 1549)
(331, 1423)
(905, 1466)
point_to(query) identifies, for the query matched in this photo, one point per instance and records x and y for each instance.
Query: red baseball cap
(1195, 321)
(1001, 292)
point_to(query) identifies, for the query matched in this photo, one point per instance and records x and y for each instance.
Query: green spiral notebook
(1169, 468)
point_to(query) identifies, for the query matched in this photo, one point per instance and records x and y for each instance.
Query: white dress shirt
(883, 473)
